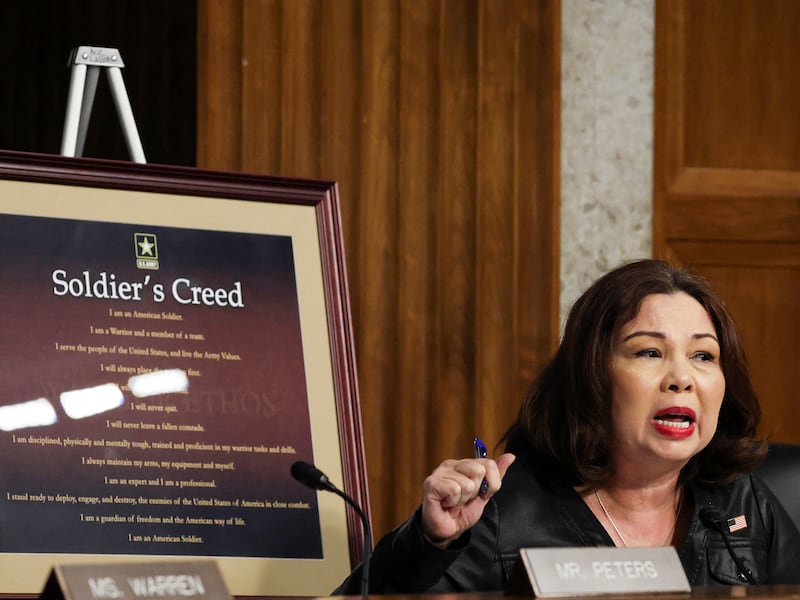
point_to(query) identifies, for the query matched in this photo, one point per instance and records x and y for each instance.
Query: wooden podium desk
(765, 592)
(757, 592)
(699, 593)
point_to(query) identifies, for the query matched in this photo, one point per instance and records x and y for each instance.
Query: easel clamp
(91, 55)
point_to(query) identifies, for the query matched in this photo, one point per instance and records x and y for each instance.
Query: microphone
(311, 476)
(712, 519)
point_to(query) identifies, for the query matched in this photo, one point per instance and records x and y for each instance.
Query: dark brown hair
(565, 420)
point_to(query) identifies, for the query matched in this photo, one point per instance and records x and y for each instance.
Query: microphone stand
(367, 539)
(311, 476)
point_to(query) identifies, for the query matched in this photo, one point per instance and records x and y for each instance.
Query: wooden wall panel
(418, 71)
(454, 293)
(727, 174)
(497, 52)
(262, 76)
(219, 84)
(439, 121)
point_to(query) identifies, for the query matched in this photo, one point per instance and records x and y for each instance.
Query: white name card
(188, 580)
(556, 572)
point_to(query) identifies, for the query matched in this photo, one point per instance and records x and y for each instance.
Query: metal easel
(86, 62)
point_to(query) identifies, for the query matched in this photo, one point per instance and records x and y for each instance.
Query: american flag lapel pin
(737, 523)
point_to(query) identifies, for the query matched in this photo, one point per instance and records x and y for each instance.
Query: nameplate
(555, 572)
(188, 580)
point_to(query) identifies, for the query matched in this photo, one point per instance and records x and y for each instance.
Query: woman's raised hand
(452, 502)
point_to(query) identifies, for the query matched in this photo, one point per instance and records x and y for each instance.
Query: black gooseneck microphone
(713, 520)
(312, 477)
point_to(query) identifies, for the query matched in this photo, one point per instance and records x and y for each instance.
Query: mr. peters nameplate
(558, 572)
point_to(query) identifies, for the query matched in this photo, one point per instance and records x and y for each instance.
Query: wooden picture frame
(241, 291)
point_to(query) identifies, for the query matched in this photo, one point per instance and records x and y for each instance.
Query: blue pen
(480, 452)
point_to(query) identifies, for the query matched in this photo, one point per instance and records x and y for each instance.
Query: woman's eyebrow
(698, 336)
(655, 334)
(658, 334)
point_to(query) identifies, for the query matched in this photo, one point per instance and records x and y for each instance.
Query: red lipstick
(676, 422)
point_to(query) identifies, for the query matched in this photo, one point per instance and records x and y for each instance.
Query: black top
(532, 510)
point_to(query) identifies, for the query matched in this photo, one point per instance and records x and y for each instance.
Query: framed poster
(173, 341)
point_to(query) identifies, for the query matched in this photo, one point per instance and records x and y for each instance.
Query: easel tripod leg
(71, 119)
(86, 108)
(126, 115)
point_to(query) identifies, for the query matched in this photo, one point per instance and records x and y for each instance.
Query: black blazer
(532, 510)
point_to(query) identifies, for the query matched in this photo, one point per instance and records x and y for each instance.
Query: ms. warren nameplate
(198, 580)
(555, 572)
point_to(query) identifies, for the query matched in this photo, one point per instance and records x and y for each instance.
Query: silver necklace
(619, 533)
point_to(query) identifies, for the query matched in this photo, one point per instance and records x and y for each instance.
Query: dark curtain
(157, 42)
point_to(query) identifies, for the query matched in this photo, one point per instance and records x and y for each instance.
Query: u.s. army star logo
(146, 246)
